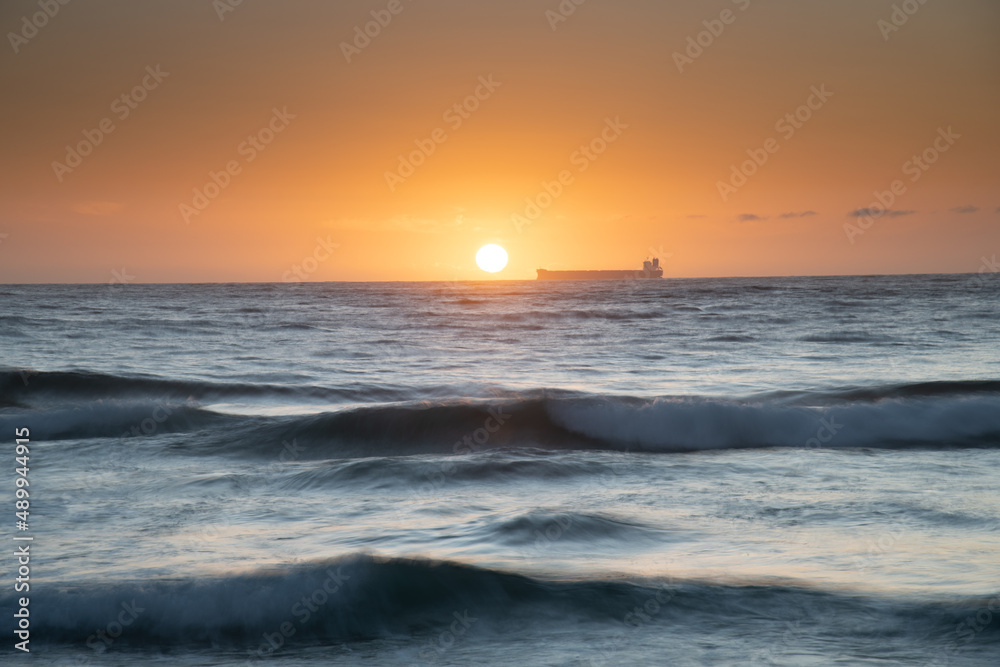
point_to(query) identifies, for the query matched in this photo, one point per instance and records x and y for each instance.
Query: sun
(491, 258)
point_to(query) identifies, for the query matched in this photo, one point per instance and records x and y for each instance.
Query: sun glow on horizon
(491, 258)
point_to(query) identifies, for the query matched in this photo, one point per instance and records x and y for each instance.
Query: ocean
(742, 471)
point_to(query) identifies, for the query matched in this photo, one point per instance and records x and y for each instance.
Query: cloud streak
(877, 213)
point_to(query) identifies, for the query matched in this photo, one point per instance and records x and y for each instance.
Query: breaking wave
(365, 597)
(931, 414)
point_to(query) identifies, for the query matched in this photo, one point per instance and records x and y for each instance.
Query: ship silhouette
(650, 270)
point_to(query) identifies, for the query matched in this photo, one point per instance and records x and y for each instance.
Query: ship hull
(543, 274)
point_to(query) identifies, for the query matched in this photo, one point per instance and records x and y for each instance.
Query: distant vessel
(650, 269)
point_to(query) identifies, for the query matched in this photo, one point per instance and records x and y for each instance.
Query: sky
(266, 140)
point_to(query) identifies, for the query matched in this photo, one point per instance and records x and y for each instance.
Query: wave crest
(366, 597)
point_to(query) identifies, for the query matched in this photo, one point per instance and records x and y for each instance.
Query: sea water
(782, 471)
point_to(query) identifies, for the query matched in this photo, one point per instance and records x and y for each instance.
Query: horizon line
(494, 280)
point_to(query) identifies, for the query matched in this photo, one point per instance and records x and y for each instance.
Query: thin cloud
(698, 215)
(877, 213)
(802, 214)
(965, 209)
(750, 217)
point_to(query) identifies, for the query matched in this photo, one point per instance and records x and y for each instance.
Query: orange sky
(315, 202)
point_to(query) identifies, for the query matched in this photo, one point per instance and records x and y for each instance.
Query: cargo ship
(650, 269)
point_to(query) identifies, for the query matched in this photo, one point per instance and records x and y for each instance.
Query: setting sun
(491, 258)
